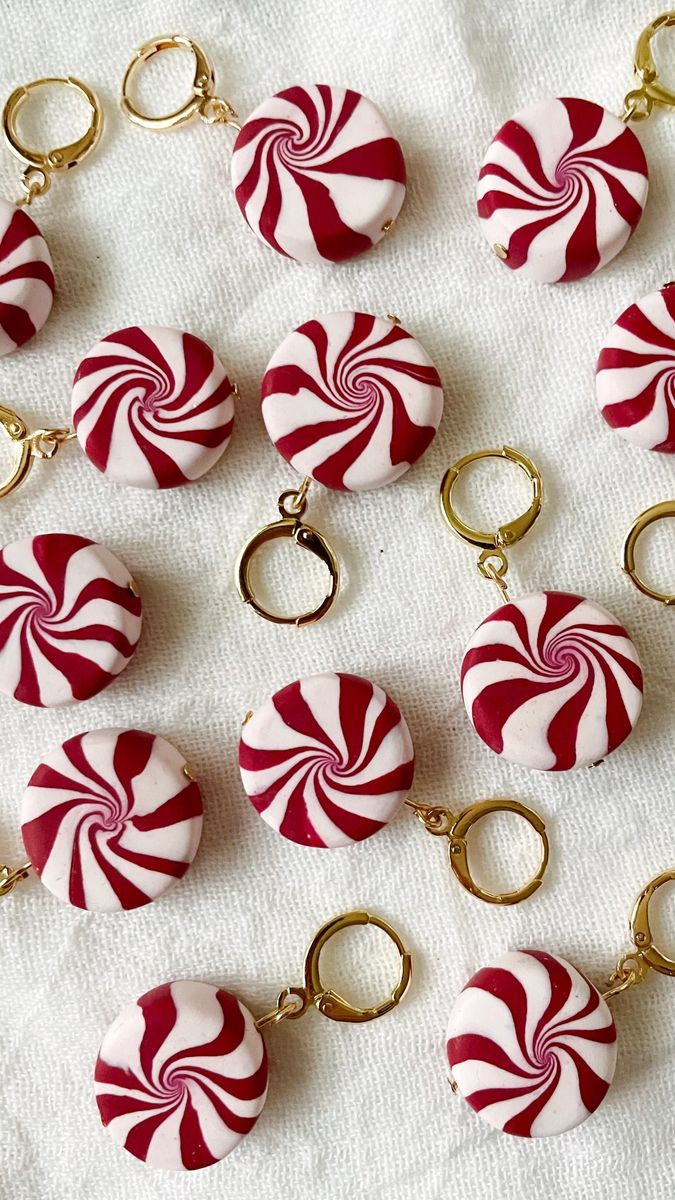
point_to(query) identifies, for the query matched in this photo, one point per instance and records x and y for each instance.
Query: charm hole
(163, 83)
(287, 580)
(52, 116)
(503, 852)
(662, 919)
(361, 964)
(491, 493)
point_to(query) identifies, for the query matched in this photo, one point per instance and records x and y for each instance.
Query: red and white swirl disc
(317, 173)
(111, 819)
(152, 407)
(351, 400)
(181, 1076)
(561, 189)
(532, 1044)
(69, 619)
(552, 681)
(635, 380)
(26, 278)
(328, 760)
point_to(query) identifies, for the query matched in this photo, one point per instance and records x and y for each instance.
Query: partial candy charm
(562, 187)
(111, 819)
(152, 407)
(351, 400)
(328, 760)
(532, 1044)
(318, 174)
(635, 380)
(70, 619)
(26, 278)
(552, 681)
(181, 1076)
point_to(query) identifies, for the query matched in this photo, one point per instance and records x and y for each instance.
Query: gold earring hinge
(9, 877)
(634, 967)
(38, 444)
(639, 104)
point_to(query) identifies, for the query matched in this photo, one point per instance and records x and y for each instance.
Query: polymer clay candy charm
(110, 820)
(635, 374)
(316, 170)
(26, 269)
(182, 1074)
(351, 401)
(70, 619)
(531, 1042)
(550, 681)
(564, 183)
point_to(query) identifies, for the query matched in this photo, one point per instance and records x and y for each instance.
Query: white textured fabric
(148, 231)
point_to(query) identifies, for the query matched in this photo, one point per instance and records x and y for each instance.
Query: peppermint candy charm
(531, 1044)
(552, 681)
(111, 819)
(635, 379)
(152, 407)
(26, 278)
(328, 760)
(561, 189)
(181, 1076)
(318, 174)
(351, 400)
(70, 619)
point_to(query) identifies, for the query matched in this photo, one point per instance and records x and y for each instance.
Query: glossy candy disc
(635, 380)
(561, 189)
(328, 760)
(531, 1044)
(181, 1076)
(26, 278)
(317, 173)
(351, 400)
(111, 819)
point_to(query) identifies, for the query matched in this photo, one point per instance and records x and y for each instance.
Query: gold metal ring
(640, 929)
(648, 517)
(458, 850)
(61, 158)
(202, 86)
(328, 1002)
(511, 531)
(645, 67)
(17, 433)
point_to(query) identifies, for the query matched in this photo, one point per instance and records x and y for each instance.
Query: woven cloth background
(148, 232)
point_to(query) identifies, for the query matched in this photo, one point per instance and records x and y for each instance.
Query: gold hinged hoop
(17, 433)
(328, 1002)
(61, 158)
(202, 101)
(651, 87)
(656, 513)
(511, 531)
(641, 931)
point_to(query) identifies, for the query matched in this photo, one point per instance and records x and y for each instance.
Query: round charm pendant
(26, 278)
(318, 174)
(181, 1076)
(351, 400)
(111, 819)
(561, 189)
(532, 1044)
(328, 760)
(152, 407)
(635, 380)
(552, 681)
(70, 619)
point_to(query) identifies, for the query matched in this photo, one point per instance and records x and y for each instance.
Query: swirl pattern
(552, 681)
(181, 1076)
(152, 407)
(635, 380)
(111, 819)
(69, 619)
(317, 173)
(328, 760)
(26, 278)
(561, 189)
(532, 1045)
(351, 400)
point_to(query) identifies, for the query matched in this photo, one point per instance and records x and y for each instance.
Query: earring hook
(61, 158)
(656, 513)
(639, 103)
(202, 101)
(41, 443)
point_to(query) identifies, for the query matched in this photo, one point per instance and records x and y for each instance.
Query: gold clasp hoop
(292, 506)
(639, 103)
(443, 823)
(202, 101)
(9, 877)
(294, 1001)
(640, 929)
(40, 165)
(41, 443)
(658, 511)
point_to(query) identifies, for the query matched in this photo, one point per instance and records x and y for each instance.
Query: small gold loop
(641, 931)
(17, 433)
(9, 877)
(328, 1002)
(658, 511)
(458, 850)
(61, 158)
(512, 531)
(202, 102)
(646, 70)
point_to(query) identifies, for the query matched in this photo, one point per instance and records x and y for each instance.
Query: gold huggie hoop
(61, 158)
(640, 929)
(648, 517)
(202, 101)
(41, 443)
(639, 103)
(512, 531)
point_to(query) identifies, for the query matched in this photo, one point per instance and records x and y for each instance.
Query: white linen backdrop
(148, 231)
